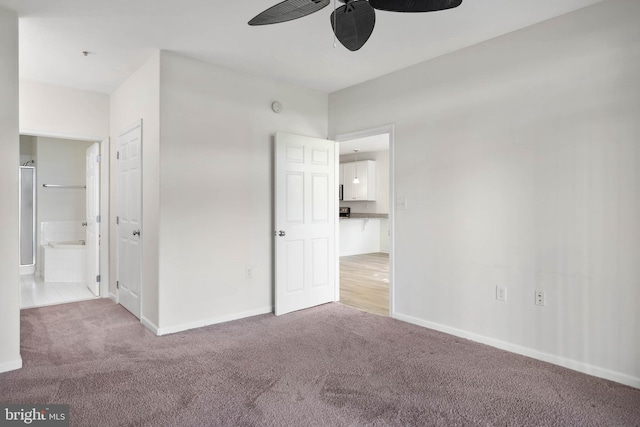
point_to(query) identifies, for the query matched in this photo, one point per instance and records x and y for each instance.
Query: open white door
(93, 217)
(129, 218)
(305, 220)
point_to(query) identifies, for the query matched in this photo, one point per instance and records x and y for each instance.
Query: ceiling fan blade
(414, 5)
(288, 10)
(353, 23)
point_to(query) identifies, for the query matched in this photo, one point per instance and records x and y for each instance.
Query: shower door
(92, 184)
(27, 216)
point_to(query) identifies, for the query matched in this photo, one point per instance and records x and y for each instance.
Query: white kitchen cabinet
(366, 173)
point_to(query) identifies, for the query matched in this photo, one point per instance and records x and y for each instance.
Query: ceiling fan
(353, 22)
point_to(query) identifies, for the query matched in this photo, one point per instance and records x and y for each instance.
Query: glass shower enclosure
(27, 217)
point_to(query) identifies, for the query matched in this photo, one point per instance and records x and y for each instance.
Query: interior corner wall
(216, 168)
(61, 111)
(520, 160)
(135, 99)
(9, 163)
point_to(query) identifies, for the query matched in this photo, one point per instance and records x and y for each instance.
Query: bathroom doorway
(59, 270)
(366, 220)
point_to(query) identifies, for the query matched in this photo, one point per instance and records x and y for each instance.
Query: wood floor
(364, 282)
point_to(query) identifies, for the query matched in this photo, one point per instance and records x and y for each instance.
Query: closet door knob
(136, 232)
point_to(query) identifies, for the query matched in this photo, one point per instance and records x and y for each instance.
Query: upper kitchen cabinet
(366, 173)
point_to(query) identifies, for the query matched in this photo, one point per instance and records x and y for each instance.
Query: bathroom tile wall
(61, 231)
(62, 264)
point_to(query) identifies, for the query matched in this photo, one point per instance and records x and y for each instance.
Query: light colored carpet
(326, 366)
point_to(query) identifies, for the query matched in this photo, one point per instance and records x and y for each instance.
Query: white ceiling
(121, 34)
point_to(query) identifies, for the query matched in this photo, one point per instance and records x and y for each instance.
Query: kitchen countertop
(355, 215)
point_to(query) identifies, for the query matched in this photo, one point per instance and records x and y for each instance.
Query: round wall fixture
(276, 107)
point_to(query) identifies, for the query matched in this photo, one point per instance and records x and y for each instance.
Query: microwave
(344, 212)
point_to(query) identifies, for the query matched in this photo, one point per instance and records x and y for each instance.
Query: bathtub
(64, 261)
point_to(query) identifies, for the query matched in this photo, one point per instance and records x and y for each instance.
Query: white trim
(336, 228)
(575, 365)
(132, 126)
(11, 366)
(212, 321)
(59, 135)
(149, 325)
(114, 297)
(390, 130)
(105, 173)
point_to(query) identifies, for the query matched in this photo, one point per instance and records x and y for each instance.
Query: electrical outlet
(249, 273)
(501, 293)
(540, 299)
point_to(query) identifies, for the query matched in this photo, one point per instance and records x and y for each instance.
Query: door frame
(344, 137)
(104, 196)
(116, 297)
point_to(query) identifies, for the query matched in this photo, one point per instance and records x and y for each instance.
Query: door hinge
(117, 220)
(117, 284)
(98, 278)
(98, 218)
(117, 155)
(98, 158)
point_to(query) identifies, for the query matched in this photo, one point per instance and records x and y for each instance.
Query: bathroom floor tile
(34, 292)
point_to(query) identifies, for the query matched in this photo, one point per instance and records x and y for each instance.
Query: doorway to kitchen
(366, 220)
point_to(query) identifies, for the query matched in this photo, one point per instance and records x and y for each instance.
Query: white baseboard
(11, 365)
(113, 297)
(212, 321)
(149, 325)
(525, 351)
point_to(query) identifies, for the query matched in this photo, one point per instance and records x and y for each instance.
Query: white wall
(216, 171)
(61, 161)
(139, 98)
(519, 158)
(27, 148)
(56, 110)
(9, 157)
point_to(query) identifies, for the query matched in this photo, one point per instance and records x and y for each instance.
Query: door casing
(386, 129)
(104, 142)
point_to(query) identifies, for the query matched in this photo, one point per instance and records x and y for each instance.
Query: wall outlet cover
(501, 293)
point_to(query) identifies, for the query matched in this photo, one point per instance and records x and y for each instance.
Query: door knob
(136, 232)
(281, 233)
